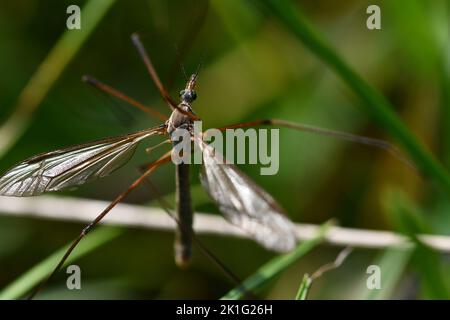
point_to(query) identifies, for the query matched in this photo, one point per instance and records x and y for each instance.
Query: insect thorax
(179, 120)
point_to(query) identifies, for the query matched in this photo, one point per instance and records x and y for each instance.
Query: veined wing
(245, 204)
(72, 166)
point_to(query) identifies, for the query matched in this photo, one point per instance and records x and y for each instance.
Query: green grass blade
(409, 220)
(273, 268)
(303, 290)
(39, 272)
(392, 263)
(376, 105)
(48, 72)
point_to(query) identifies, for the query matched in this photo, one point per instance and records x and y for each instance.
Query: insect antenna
(199, 67)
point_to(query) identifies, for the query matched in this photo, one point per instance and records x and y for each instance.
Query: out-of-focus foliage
(252, 67)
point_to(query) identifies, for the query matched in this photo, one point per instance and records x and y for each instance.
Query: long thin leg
(154, 75)
(327, 132)
(151, 167)
(152, 71)
(120, 95)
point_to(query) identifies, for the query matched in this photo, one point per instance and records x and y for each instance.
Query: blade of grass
(48, 72)
(445, 80)
(431, 271)
(410, 221)
(274, 267)
(303, 290)
(429, 53)
(376, 105)
(392, 263)
(23, 284)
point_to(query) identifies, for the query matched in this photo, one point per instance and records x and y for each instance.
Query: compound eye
(188, 95)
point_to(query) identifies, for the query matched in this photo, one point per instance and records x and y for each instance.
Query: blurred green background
(253, 66)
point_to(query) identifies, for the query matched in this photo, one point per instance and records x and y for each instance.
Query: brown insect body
(180, 120)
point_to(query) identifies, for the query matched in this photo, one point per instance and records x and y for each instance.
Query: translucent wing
(71, 166)
(245, 204)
